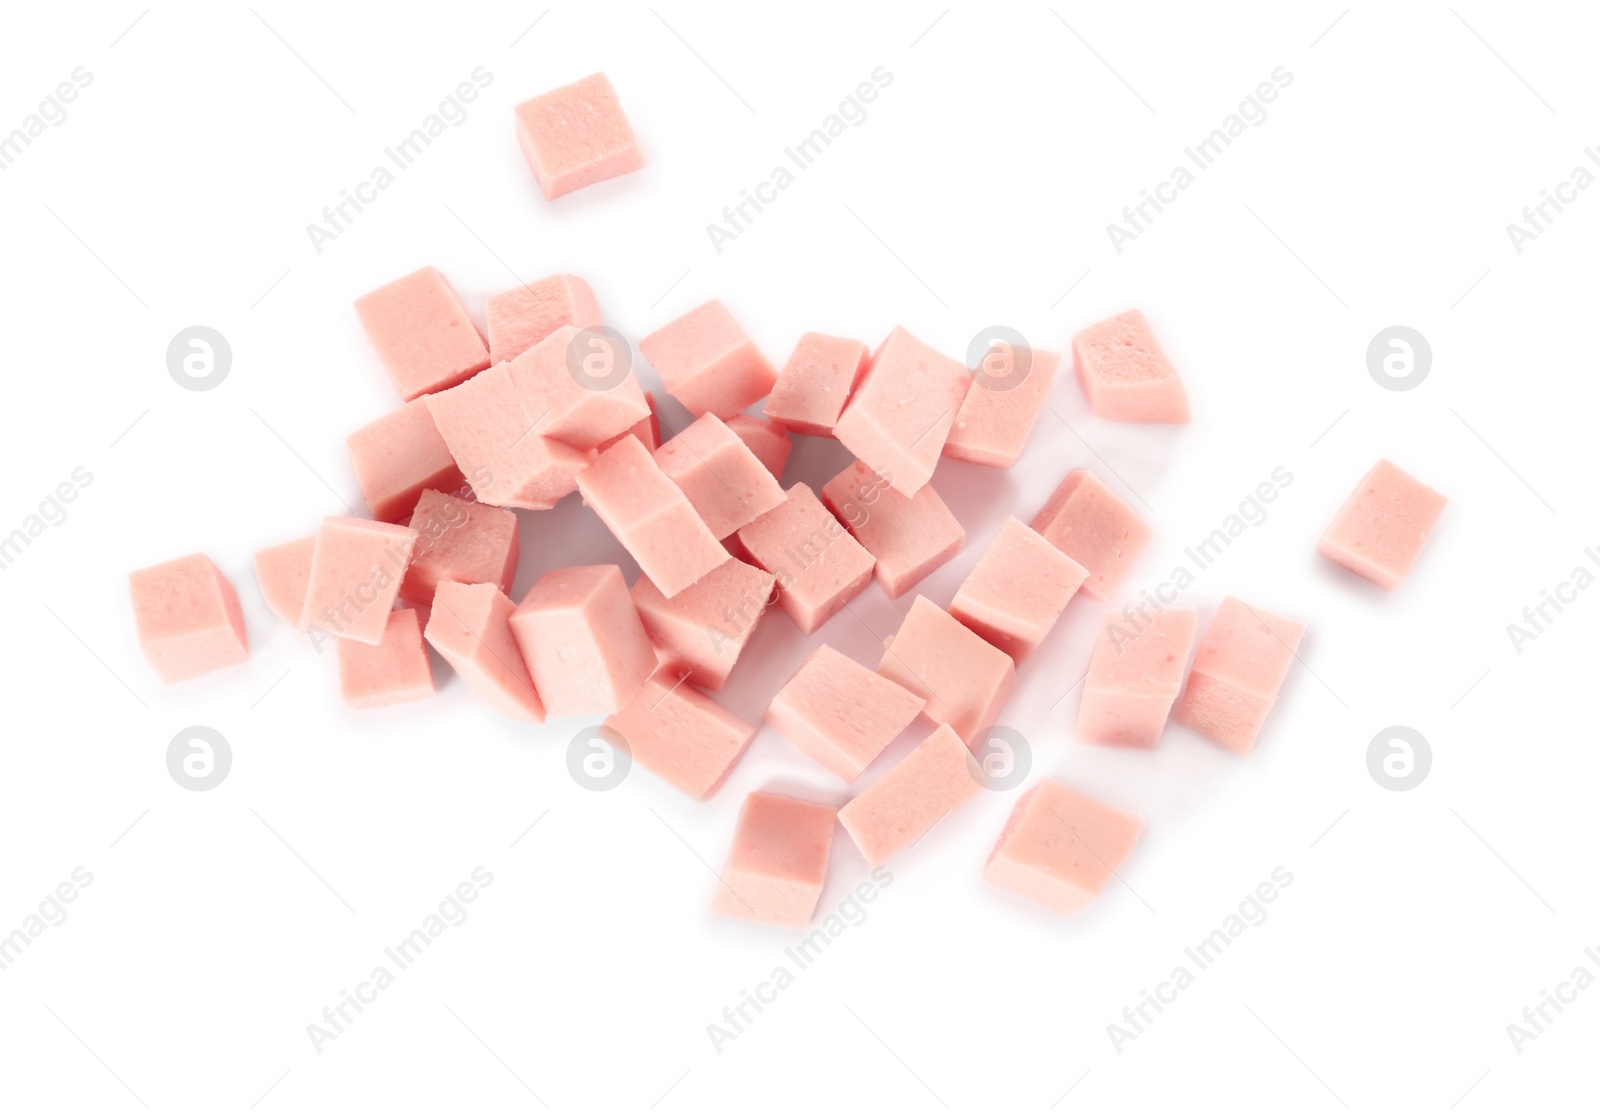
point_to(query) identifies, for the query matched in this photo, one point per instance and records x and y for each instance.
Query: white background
(219, 924)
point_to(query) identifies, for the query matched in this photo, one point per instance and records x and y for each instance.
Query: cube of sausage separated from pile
(701, 632)
(687, 739)
(188, 618)
(582, 641)
(815, 383)
(459, 540)
(395, 670)
(398, 456)
(282, 572)
(909, 537)
(1095, 527)
(1135, 673)
(1125, 374)
(650, 517)
(526, 315)
(357, 567)
(578, 386)
(1016, 592)
(963, 678)
(840, 713)
(470, 626)
(423, 335)
(902, 411)
(1009, 390)
(708, 362)
(818, 565)
(767, 440)
(778, 861)
(1237, 673)
(1380, 531)
(491, 437)
(576, 135)
(722, 477)
(1059, 848)
(904, 804)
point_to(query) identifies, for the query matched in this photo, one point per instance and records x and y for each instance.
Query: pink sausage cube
(903, 804)
(577, 135)
(767, 441)
(1095, 527)
(395, 670)
(399, 455)
(470, 626)
(1238, 669)
(650, 517)
(909, 537)
(1135, 672)
(1125, 374)
(188, 618)
(701, 631)
(459, 540)
(840, 713)
(523, 317)
(682, 736)
(779, 858)
(899, 417)
(424, 336)
(582, 641)
(964, 679)
(282, 572)
(647, 430)
(1018, 589)
(1001, 408)
(708, 362)
(491, 436)
(815, 383)
(583, 414)
(723, 479)
(356, 570)
(1059, 848)
(818, 565)
(1380, 531)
